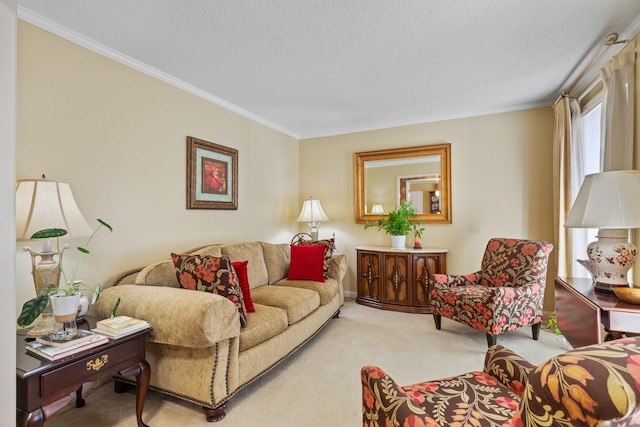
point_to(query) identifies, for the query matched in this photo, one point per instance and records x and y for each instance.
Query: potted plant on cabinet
(64, 299)
(397, 224)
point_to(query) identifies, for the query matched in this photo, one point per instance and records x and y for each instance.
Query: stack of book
(120, 326)
(49, 348)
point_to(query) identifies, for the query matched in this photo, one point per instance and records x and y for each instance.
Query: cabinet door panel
(369, 276)
(396, 279)
(423, 265)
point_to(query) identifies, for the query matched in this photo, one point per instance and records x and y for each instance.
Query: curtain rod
(610, 40)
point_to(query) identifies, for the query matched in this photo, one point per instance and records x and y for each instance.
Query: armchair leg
(491, 340)
(535, 329)
(438, 320)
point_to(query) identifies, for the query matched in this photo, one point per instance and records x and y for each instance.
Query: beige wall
(501, 180)
(118, 137)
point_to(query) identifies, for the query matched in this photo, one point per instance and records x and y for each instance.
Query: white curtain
(618, 112)
(568, 175)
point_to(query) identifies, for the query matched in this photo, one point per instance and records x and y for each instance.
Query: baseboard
(350, 294)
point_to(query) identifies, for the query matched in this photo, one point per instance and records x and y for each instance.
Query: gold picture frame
(212, 175)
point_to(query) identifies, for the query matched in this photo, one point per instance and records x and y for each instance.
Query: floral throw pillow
(329, 243)
(210, 274)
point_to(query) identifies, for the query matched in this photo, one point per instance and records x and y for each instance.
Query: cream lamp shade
(377, 209)
(42, 204)
(609, 201)
(312, 214)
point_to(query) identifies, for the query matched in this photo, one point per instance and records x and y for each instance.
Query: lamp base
(612, 256)
(606, 288)
(46, 324)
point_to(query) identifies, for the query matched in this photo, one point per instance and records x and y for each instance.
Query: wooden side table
(582, 312)
(398, 279)
(43, 386)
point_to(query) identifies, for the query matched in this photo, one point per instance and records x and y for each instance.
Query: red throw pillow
(330, 243)
(307, 263)
(241, 270)
(210, 274)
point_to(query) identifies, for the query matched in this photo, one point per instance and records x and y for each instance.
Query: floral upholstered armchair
(589, 386)
(507, 293)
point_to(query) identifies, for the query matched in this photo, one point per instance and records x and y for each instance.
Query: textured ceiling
(323, 67)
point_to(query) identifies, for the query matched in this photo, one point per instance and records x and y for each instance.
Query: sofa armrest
(507, 367)
(338, 267)
(178, 317)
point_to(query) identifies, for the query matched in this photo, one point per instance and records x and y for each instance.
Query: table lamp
(610, 202)
(377, 209)
(43, 204)
(312, 214)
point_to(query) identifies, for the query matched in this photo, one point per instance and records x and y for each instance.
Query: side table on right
(582, 313)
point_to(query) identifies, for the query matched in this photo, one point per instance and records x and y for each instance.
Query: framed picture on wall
(212, 175)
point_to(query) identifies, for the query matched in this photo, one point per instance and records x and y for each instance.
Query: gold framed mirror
(421, 174)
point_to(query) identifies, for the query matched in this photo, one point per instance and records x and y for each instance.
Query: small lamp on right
(610, 202)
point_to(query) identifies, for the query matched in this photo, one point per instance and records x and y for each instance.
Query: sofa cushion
(307, 263)
(210, 274)
(265, 323)
(252, 252)
(163, 273)
(276, 257)
(329, 245)
(326, 290)
(296, 302)
(241, 270)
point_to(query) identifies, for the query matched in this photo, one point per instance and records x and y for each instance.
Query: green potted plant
(71, 288)
(397, 223)
(552, 324)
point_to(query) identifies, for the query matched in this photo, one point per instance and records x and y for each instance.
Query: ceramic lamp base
(612, 256)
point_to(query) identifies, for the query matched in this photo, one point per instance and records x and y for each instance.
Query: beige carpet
(320, 384)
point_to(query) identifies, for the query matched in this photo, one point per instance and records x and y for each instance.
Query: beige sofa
(197, 350)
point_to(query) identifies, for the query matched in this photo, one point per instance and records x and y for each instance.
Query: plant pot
(65, 309)
(398, 242)
(563, 342)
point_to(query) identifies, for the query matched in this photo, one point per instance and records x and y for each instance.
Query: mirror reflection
(385, 178)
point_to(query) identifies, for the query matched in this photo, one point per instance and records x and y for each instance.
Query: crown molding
(74, 37)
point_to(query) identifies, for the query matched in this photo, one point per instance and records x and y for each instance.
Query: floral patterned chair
(507, 293)
(594, 385)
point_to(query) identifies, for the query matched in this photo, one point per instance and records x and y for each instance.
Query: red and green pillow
(210, 274)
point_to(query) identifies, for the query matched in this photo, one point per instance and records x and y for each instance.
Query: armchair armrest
(179, 317)
(507, 367)
(451, 280)
(387, 403)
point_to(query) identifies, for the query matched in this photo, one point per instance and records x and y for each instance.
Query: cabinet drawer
(82, 369)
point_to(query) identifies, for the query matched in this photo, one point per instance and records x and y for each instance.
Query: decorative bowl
(630, 295)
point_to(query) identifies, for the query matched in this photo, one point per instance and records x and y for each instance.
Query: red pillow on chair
(307, 263)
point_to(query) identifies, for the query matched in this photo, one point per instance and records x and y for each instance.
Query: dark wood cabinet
(397, 280)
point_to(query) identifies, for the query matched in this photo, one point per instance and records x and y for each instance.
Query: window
(591, 143)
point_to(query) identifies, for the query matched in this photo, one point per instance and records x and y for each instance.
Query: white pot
(398, 242)
(65, 307)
